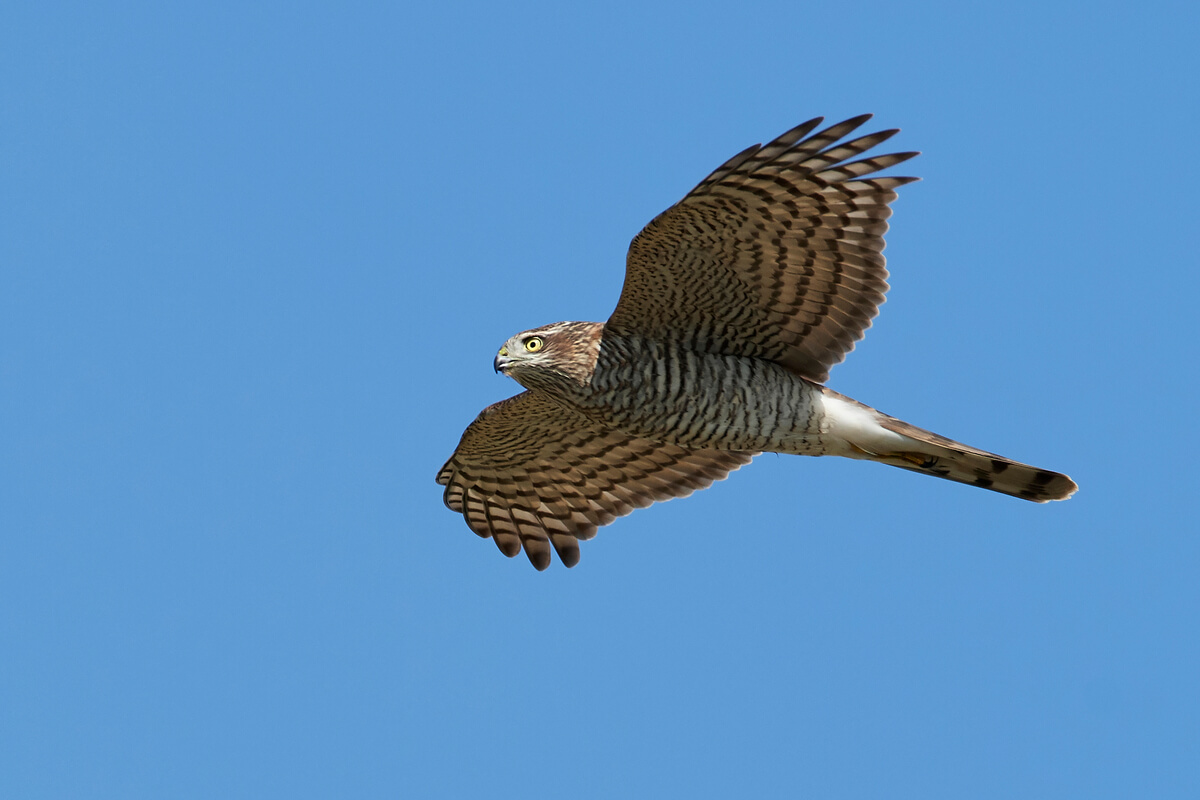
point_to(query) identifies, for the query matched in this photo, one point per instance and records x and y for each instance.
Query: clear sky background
(256, 259)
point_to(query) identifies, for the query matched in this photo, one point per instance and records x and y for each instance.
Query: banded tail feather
(875, 436)
(946, 458)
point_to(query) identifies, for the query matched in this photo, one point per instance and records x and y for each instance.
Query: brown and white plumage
(539, 474)
(737, 301)
(778, 254)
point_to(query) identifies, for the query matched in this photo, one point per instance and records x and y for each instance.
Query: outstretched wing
(531, 473)
(776, 255)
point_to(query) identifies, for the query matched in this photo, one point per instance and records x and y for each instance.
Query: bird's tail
(900, 444)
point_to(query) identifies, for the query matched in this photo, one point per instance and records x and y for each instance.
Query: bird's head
(551, 356)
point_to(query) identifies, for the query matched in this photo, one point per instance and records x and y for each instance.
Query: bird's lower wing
(531, 473)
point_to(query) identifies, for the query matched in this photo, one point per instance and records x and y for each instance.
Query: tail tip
(1048, 486)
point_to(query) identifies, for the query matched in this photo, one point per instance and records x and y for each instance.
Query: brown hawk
(737, 301)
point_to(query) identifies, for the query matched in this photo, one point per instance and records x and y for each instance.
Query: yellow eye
(533, 344)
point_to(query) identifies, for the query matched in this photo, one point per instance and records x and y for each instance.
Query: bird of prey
(737, 301)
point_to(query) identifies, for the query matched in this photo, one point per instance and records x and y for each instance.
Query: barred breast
(668, 392)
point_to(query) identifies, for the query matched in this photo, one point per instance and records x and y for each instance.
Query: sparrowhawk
(737, 301)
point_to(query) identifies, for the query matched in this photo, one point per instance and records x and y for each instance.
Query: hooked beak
(502, 359)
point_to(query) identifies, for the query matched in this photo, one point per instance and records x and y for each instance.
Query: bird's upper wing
(777, 254)
(530, 472)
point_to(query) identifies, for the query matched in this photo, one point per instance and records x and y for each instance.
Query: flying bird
(737, 301)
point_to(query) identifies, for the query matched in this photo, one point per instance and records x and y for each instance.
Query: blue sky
(255, 262)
